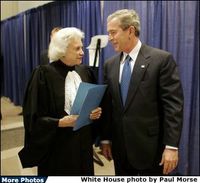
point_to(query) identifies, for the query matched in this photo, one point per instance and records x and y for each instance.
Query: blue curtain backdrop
(25, 36)
(12, 49)
(173, 26)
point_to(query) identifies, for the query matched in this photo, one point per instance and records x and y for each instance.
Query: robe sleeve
(40, 127)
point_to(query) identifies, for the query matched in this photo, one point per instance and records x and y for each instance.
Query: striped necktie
(125, 79)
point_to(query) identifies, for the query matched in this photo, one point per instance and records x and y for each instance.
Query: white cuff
(171, 147)
(105, 142)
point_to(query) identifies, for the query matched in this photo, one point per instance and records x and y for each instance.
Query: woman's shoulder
(45, 69)
(39, 74)
(86, 72)
(83, 67)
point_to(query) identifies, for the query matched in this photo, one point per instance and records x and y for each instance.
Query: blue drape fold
(12, 50)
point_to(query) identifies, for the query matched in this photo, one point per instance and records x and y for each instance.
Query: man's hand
(106, 151)
(169, 160)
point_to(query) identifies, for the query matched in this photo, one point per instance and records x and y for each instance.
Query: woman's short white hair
(60, 41)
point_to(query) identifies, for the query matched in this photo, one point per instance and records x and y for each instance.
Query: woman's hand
(96, 113)
(68, 121)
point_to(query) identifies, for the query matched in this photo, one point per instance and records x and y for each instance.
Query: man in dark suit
(142, 124)
(44, 59)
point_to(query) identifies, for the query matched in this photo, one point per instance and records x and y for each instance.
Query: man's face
(74, 53)
(117, 36)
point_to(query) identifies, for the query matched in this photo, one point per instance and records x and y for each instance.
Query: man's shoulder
(113, 58)
(153, 50)
(44, 52)
(44, 57)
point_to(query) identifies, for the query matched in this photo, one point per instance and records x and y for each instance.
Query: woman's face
(74, 53)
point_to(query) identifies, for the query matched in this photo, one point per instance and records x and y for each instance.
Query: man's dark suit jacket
(44, 57)
(152, 115)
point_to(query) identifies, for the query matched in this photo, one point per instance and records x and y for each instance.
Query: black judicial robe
(55, 150)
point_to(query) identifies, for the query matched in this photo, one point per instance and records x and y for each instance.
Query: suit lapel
(139, 70)
(116, 86)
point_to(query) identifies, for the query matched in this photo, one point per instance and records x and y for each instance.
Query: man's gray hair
(127, 18)
(60, 41)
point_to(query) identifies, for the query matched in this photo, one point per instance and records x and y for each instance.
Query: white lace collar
(72, 82)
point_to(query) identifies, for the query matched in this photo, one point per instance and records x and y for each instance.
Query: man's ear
(132, 30)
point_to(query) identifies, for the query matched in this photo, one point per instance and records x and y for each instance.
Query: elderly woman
(50, 142)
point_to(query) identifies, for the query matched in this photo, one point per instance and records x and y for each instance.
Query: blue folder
(88, 97)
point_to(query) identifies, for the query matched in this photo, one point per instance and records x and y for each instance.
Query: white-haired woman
(50, 142)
